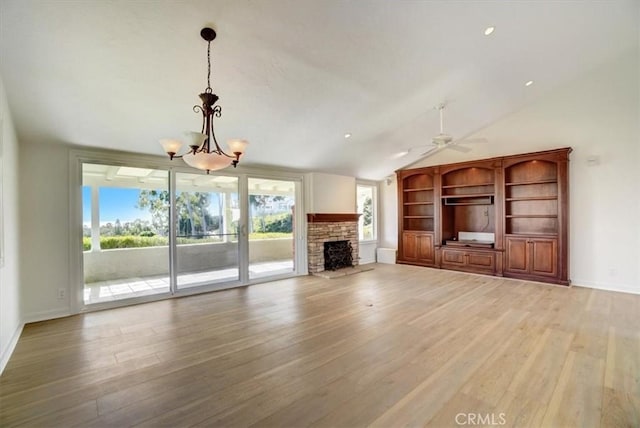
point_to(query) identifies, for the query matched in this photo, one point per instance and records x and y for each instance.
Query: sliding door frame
(76, 265)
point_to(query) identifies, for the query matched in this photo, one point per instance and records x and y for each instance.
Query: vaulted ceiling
(294, 76)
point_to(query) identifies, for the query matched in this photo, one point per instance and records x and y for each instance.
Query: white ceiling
(294, 76)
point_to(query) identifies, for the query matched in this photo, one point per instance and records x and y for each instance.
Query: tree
(257, 204)
(367, 211)
(157, 201)
(193, 216)
(117, 228)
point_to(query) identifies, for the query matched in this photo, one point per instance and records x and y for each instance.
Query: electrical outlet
(61, 293)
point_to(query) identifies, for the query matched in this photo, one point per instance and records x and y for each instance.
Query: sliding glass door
(150, 231)
(271, 227)
(207, 215)
(125, 232)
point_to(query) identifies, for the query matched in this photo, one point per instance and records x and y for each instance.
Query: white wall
(44, 229)
(598, 115)
(328, 193)
(10, 306)
(388, 213)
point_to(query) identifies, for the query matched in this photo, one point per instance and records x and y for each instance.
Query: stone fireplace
(323, 228)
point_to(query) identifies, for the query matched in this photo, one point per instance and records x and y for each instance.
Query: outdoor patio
(126, 288)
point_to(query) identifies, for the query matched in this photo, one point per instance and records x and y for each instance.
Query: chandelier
(204, 151)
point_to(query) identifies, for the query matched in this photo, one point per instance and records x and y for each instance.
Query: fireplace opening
(337, 254)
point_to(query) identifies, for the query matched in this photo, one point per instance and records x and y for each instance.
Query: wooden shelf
(533, 198)
(456, 204)
(532, 216)
(474, 199)
(531, 182)
(472, 195)
(458, 186)
(418, 216)
(540, 234)
(418, 203)
(420, 189)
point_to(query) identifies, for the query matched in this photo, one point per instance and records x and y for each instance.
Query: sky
(119, 203)
(116, 203)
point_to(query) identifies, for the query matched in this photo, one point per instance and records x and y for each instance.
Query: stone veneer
(329, 227)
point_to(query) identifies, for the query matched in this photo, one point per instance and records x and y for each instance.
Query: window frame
(374, 210)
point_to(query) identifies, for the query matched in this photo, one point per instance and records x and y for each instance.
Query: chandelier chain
(209, 90)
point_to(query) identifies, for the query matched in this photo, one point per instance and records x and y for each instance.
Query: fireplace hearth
(337, 255)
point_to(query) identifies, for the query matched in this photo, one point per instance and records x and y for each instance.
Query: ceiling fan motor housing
(442, 139)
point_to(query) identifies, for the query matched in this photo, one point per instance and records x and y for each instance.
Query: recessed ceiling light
(489, 30)
(347, 135)
(529, 83)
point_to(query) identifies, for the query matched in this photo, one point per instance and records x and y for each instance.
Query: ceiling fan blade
(431, 152)
(457, 148)
(472, 141)
(422, 149)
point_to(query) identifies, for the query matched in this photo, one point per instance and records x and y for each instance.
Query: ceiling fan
(446, 141)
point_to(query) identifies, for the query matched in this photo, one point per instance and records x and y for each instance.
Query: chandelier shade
(237, 146)
(207, 161)
(204, 151)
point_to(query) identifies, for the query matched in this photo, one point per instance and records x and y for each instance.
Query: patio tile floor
(126, 288)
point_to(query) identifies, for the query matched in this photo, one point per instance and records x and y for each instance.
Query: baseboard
(4, 359)
(46, 315)
(606, 287)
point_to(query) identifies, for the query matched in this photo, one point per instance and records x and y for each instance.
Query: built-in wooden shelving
(521, 200)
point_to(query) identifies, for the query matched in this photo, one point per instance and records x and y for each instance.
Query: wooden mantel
(331, 217)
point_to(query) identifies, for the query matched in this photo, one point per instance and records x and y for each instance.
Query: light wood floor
(395, 346)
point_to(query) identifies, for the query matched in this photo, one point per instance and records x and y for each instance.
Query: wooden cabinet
(532, 256)
(416, 217)
(536, 213)
(469, 260)
(417, 248)
(467, 199)
(516, 255)
(522, 201)
(469, 204)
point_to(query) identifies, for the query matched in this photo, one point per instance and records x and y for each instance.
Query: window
(366, 200)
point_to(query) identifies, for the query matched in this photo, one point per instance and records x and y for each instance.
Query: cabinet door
(517, 257)
(481, 261)
(409, 246)
(453, 257)
(426, 253)
(544, 256)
